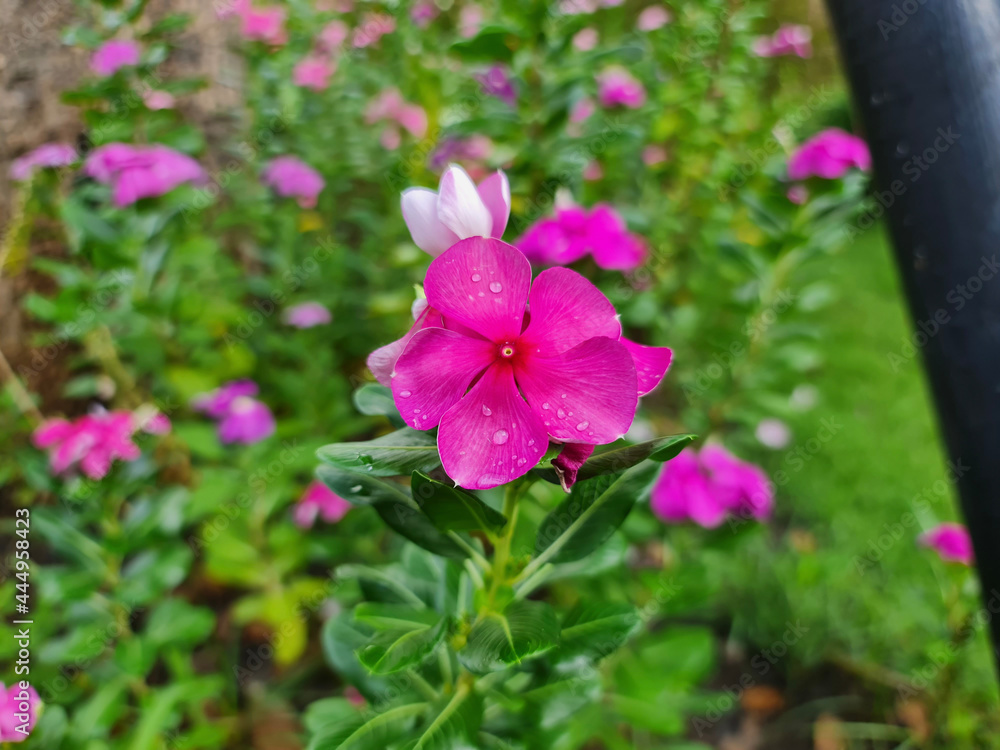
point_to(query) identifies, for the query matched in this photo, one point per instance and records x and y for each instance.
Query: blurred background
(208, 169)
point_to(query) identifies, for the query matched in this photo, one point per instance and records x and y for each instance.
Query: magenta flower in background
(652, 155)
(496, 82)
(616, 87)
(266, 24)
(217, 403)
(790, 39)
(951, 541)
(114, 55)
(593, 171)
(389, 106)
(319, 500)
(423, 12)
(798, 194)
(136, 172)
(156, 100)
(372, 28)
(652, 18)
(575, 232)
(469, 151)
(705, 487)
(241, 418)
(313, 72)
(585, 39)
(582, 110)
(291, 177)
(18, 712)
(306, 315)
(458, 210)
(567, 362)
(829, 154)
(45, 156)
(333, 36)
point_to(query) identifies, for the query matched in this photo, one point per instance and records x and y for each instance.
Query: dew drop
(476, 277)
(561, 414)
(487, 411)
(416, 411)
(405, 394)
(500, 437)
(496, 287)
(481, 294)
(522, 461)
(583, 426)
(563, 396)
(531, 442)
(545, 405)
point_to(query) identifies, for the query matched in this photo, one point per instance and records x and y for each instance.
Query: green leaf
(624, 457)
(454, 509)
(490, 44)
(414, 635)
(376, 400)
(590, 515)
(456, 725)
(672, 447)
(376, 734)
(596, 630)
(175, 622)
(524, 629)
(397, 454)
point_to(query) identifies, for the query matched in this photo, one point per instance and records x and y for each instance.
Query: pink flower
(575, 232)
(652, 18)
(577, 7)
(136, 172)
(496, 82)
(18, 711)
(333, 35)
(470, 151)
(290, 177)
(470, 19)
(829, 154)
(390, 106)
(585, 39)
(265, 24)
(306, 315)
(582, 110)
(155, 100)
(798, 194)
(313, 72)
(457, 211)
(422, 13)
(773, 433)
(567, 464)
(373, 27)
(91, 442)
(790, 39)
(706, 487)
(567, 362)
(593, 171)
(616, 87)
(241, 418)
(951, 541)
(652, 155)
(319, 500)
(114, 55)
(46, 155)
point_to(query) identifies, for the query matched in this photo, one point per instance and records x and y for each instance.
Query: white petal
(420, 211)
(459, 206)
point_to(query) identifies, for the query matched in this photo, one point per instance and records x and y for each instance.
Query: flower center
(507, 351)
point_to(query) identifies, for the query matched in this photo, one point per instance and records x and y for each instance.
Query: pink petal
(420, 211)
(434, 372)
(382, 361)
(651, 363)
(481, 283)
(51, 431)
(567, 464)
(491, 436)
(459, 206)
(586, 395)
(495, 194)
(566, 309)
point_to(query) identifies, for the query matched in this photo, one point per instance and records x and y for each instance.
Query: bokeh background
(180, 600)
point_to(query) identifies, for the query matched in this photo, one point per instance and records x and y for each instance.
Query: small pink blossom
(389, 106)
(593, 171)
(372, 28)
(585, 39)
(313, 72)
(458, 210)
(470, 20)
(496, 82)
(241, 418)
(423, 12)
(471, 152)
(45, 156)
(155, 100)
(582, 110)
(19, 705)
(652, 18)
(829, 154)
(575, 232)
(319, 500)
(705, 487)
(951, 541)
(773, 433)
(114, 55)
(136, 172)
(265, 24)
(291, 177)
(790, 39)
(798, 194)
(306, 315)
(617, 87)
(653, 155)
(577, 7)
(333, 36)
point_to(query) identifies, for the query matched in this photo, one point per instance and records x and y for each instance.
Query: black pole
(926, 81)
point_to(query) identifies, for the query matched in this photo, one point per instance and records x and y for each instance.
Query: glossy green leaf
(397, 454)
(406, 638)
(455, 723)
(355, 733)
(452, 508)
(596, 630)
(524, 629)
(376, 401)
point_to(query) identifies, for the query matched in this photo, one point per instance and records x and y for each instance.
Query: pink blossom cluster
(19, 706)
(575, 232)
(240, 417)
(322, 502)
(790, 39)
(829, 154)
(616, 87)
(390, 108)
(951, 541)
(114, 55)
(372, 28)
(45, 156)
(93, 442)
(706, 486)
(423, 12)
(136, 172)
(496, 81)
(290, 177)
(261, 24)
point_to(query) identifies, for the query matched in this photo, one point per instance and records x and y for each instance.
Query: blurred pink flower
(593, 171)
(306, 315)
(616, 87)
(581, 111)
(471, 152)
(217, 403)
(114, 55)
(423, 12)
(91, 442)
(458, 210)
(291, 177)
(18, 711)
(372, 28)
(585, 39)
(390, 106)
(951, 541)
(266, 24)
(706, 487)
(155, 100)
(136, 172)
(333, 36)
(652, 18)
(313, 72)
(241, 418)
(390, 139)
(319, 500)
(829, 154)
(575, 232)
(773, 433)
(496, 82)
(470, 19)
(577, 7)
(45, 156)
(790, 39)
(798, 194)
(653, 155)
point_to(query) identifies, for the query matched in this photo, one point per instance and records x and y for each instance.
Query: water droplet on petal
(563, 396)
(500, 437)
(561, 414)
(545, 405)
(522, 461)
(405, 394)
(476, 277)
(583, 426)
(487, 410)
(496, 287)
